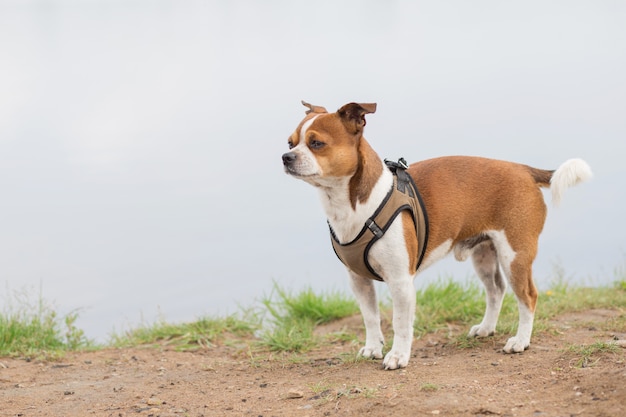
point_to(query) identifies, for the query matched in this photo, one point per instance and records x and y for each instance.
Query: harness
(403, 195)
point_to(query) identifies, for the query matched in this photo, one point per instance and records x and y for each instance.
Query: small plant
(463, 341)
(587, 353)
(428, 387)
(327, 392)
(74, 337)
(353, 358)
(321, 388)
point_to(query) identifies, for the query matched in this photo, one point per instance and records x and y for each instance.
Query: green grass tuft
(36, 330)
(309, 306)
(294, 317)
(446, 302)
(587, 355)
(428, 387)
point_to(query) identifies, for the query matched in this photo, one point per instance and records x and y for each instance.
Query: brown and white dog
(490, 210)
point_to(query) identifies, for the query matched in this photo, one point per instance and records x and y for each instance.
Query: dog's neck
(350, 201)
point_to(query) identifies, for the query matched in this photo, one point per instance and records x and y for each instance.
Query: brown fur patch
(463, 202)
(410, 240)
(542, 177)
(369, 169)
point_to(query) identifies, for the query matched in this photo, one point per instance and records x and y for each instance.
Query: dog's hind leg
(485, 261)
(518, 269)
(365, 294)
(526, 293)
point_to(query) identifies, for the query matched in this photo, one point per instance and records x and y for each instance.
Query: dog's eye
(290, 143)
(316, 144)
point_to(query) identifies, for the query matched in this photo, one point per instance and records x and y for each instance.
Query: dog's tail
(570, 173)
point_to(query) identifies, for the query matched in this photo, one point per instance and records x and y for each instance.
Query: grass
(588, 355)
(33, 329)
(293, 318)
(286, 321)
(325, 391)
(202, 333)
(428, 387)
(445, 302)
(309, 306)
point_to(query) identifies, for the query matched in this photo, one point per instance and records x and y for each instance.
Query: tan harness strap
(402, 196)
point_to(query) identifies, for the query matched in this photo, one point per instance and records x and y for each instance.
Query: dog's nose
(288, 158)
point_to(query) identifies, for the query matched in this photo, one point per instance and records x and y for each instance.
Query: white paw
(371, 352)
(480, 331)
(395, 360)
(516, 345)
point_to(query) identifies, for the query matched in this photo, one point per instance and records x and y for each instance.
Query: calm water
(140, 142)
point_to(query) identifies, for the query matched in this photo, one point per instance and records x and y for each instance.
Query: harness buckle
(374, 228)
(394, 166)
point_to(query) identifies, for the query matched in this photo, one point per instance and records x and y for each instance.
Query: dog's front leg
(403, 299)
(365, 294)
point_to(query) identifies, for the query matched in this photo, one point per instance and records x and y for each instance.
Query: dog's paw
(371, 352)
(395, 360)
(480, 331)
(516, 345)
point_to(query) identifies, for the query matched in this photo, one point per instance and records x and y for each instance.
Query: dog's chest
(401, 196)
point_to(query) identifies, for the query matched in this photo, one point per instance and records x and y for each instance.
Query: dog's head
(324, 146)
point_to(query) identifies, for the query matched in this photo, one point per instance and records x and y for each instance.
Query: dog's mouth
(294, 173)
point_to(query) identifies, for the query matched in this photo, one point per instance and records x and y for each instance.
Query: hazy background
(140, 141)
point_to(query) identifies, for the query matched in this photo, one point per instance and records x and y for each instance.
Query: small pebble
(293, 393)
(154, 401)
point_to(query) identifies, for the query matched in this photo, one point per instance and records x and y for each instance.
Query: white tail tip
(570, 173)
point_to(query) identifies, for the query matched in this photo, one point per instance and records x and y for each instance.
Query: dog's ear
(313, 109)
(353, 114)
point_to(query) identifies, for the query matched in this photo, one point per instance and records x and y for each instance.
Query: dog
(490, 210)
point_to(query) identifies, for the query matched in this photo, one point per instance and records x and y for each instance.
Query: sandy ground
(233, 380)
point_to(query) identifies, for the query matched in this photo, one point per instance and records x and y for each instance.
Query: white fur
(390, 259)
(570, 173)
(346, 222)
(521, 340)
(506, 254)
(307, 167)
(365, 294)
(305, 126)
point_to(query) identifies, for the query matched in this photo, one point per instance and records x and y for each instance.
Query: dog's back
(466, 196)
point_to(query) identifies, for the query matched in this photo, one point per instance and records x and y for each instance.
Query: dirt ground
(232, 380)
